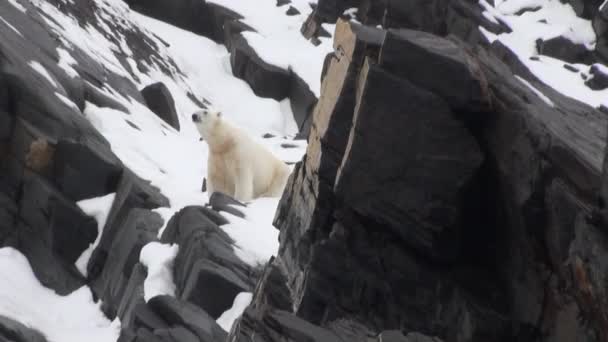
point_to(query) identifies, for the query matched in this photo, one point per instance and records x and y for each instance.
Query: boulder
(222, 202)
(133, 192)
(83, 171)
(212, 287)
(160, 101)
(12, 331)
(429, 141)
(54, 234)
(206, 254)
(562, 48)
(197, 321)
(585, 8)
(599, 78)
(139, 228)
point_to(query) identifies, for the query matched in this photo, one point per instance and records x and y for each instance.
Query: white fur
(239, 166)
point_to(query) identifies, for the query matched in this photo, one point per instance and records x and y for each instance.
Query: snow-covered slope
(197, 72)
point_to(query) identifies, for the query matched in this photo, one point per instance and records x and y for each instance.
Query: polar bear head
(206, 121)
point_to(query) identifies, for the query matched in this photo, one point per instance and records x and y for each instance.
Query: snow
(17, 5)
(43, 72)
(241, 302)
(536, 91)
(99, 208)
(561, 20)
(11, 26)
(278, 40)
(72, 318)
(207, 66)
(255, 236)
(66, 61)
(158, 259)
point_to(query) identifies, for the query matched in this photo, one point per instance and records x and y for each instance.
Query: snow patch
(256, 239)
(72, 318)
(241, 302)
(158, 259)
(99, 208)
(278, 40)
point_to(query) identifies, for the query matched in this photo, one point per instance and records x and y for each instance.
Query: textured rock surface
(159, 100)
(446, 210)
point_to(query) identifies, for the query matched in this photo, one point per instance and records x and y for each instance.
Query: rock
(303, 102)
(188, 15)
(189, 316)
(600, 22)
(160, 101)
(82, 171)
(139, 228)
(232, 30)
(53, 228)
(145, 317)
(12, 331)
(222, 202)
(265, 79)
(212, 287)
(416, 56)
(585, 8)
(402, 206)
(292, 11)
(178, 334)
(283, 2)
(6, 126)
(564, 49)
(132, 193)
(133, 297)
(206, 252)
(277, 326)
(397, 336)
(599, 79)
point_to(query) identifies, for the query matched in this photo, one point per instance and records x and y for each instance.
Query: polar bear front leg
(243, 185)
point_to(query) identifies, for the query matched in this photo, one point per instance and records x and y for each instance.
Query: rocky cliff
(439, 195)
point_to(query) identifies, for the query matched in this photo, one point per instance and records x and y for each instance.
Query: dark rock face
(460, 208)
(206, 272)
(598, 80)
(564, 49)
(222, 202)
(159, 100)
(12, 331)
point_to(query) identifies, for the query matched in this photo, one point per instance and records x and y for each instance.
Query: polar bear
(238, 166)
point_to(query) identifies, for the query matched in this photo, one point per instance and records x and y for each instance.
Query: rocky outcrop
(17, 332)
(460, 208)
(159, 100)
